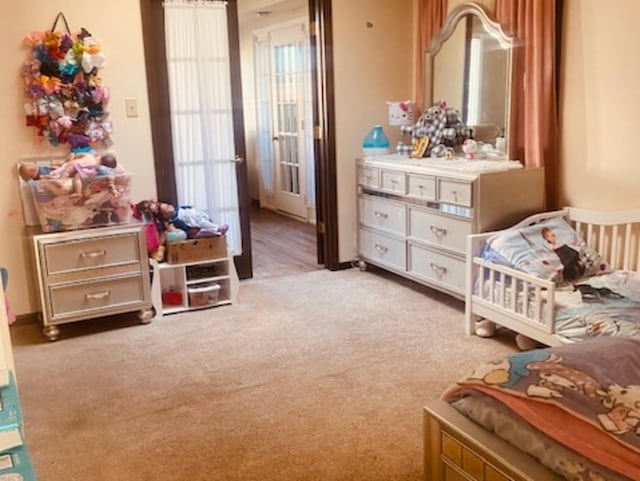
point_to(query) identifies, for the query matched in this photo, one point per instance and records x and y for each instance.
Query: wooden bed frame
(458, 449)
(615, 235)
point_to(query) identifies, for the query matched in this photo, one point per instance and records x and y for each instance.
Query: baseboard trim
(344, 265)
(31, 318)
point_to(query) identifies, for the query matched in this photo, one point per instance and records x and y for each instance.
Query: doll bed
(539, 308)
(97, 207)
(566, 412)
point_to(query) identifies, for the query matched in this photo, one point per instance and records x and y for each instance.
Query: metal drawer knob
(93, 254)
(438, 231)
(96, 296)
(381, 249)
(381, 215)
(440, 270)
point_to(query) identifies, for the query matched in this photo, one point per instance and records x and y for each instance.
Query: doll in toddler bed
(78, 167)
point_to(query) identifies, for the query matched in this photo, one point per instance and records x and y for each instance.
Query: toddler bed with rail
(515, 276)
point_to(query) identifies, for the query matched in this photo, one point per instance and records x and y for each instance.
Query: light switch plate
(131, 106)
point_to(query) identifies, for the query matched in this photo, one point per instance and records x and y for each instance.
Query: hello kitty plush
(470, 147)
(401, 112)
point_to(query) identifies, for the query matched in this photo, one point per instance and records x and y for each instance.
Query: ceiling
(249, 10)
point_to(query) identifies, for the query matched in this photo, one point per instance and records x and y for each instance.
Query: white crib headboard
(615, 235)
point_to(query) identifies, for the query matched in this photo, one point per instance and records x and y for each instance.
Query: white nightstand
(86, 274)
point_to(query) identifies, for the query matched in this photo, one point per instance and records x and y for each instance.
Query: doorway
(323, 122)
(277, 95)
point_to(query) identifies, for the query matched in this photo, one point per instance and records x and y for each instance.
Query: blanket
(586, 396)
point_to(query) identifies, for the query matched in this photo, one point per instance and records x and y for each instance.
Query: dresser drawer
(439, 230)
(422, 186)
(96, 296)
(384, 249)
(369, 177)
(393, 181)
(91, 253)
(437, 267)
(383, 215)
(454, 192)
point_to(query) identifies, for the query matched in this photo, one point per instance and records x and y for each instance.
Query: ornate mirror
(469, 66)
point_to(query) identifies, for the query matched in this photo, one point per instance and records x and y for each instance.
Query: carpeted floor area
(318, 376)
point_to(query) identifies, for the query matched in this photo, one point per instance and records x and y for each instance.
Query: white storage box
(204, 295)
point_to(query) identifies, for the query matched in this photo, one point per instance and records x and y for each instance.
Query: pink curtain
(431, 16)
(534, 135)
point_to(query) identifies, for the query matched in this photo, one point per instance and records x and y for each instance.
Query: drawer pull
(93, 254)
(96, 296)
(381, 215)
(440, 270)
(438, 231)
(394, 181)
(381, 249)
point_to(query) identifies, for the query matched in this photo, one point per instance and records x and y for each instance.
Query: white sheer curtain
(263, 112)
(197, 49)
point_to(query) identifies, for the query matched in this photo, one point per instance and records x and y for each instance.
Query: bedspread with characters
(585, 396)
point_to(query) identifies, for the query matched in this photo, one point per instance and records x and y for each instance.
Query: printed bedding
(602, 305)
(585, 396)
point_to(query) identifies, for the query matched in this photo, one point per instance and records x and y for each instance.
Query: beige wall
(116, 25)
(371, 66)
(599, 105)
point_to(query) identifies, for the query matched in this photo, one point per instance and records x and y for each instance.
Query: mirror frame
(496, 29)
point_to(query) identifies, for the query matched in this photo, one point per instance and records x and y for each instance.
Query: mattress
(495, 418)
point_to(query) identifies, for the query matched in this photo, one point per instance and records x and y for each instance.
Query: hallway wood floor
(281, 245)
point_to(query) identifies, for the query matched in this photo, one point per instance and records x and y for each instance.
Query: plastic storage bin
(99, 205)
(206, 295)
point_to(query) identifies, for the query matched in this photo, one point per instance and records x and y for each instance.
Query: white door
(288, 67)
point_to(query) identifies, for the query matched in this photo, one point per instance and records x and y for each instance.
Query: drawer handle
(381, 249)
(381, 215)
(438, 231)
(96, 296)
(440, 270)
(93, 254)
(394, 181)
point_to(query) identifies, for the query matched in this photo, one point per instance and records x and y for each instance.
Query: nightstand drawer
(440, 230)
(91, 253)
(383, 215)
(96, 297)
(454, 192)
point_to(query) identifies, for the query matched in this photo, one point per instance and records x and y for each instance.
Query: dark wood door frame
(323, 114)
(320, 21)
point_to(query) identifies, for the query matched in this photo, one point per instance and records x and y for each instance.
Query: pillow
(551, 250)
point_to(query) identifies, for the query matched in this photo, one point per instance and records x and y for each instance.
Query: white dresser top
(428, 165)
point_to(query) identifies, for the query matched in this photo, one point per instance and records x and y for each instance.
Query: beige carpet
(319, 376)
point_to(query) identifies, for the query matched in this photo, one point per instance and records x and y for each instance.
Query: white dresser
(85, 274)
(414, 214)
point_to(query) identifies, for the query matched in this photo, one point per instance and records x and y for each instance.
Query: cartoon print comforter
(585, 396)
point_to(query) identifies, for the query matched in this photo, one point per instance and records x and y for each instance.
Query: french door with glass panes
(288, 66)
